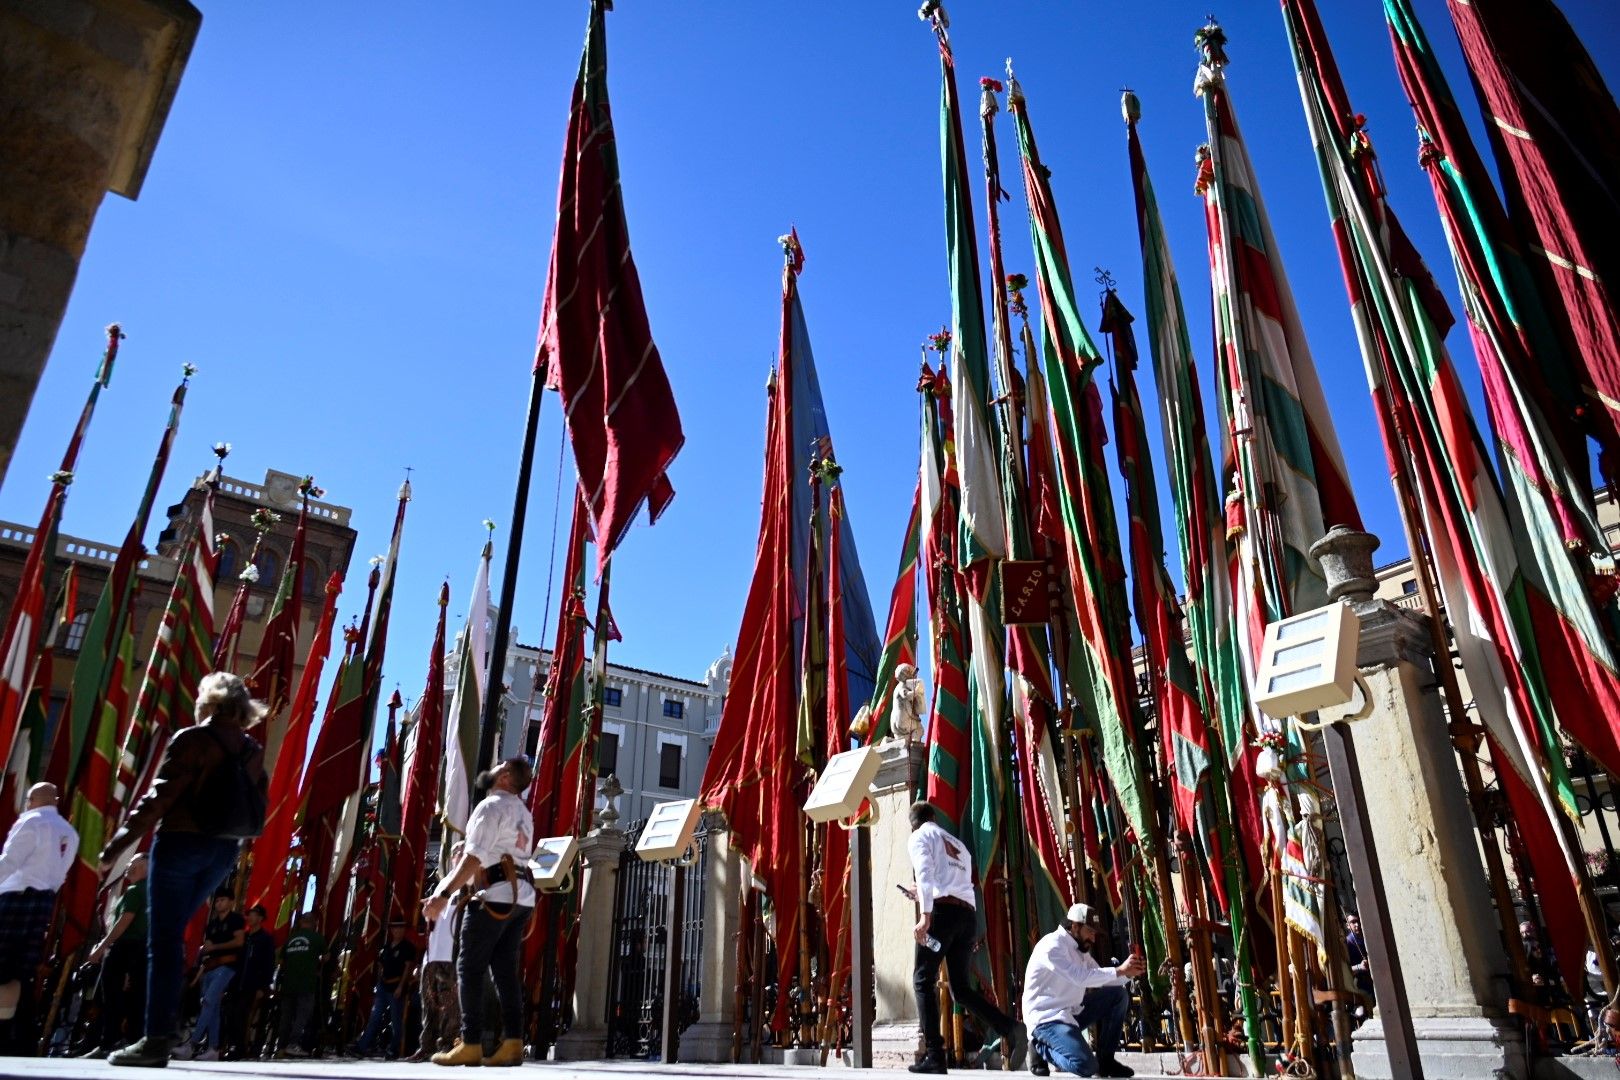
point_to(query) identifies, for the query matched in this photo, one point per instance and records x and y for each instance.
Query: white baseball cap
(1081, 913)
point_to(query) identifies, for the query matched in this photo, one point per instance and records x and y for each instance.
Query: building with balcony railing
(329, 544)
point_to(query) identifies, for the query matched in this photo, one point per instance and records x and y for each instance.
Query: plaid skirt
(25, 917)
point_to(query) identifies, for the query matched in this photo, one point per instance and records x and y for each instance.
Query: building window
(607, 753)
(675, 710)
(669, 765)
(228, 558)
(269, 571)
(612, 695)
(1409, 587)
(75, 632)
(314, 583)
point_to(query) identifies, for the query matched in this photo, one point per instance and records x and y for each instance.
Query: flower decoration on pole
(249, 574)
(264, 520)
(222, 450)
(939, 341)
(308, 488)
(62, 476)
(1016, 284)
(1272, 740)
(188, 370)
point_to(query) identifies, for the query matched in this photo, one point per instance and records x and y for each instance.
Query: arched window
(75, 632)
(314, 580)
(269, 570)
(228, 558)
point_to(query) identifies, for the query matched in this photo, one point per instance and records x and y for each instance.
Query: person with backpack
(209, 797)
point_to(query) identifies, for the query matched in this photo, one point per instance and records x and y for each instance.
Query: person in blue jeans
(1066, 991)
(188, 861)
(223, 939)
(395, 962)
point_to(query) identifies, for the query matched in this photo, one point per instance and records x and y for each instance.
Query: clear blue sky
(347, 221)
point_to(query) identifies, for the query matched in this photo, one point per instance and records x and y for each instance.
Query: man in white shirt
(946, 931)
(39, 851)
(1066, 991)
(499, 841)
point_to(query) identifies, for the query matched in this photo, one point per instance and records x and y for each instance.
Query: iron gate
(635, 1006)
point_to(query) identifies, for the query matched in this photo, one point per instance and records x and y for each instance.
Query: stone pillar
(895, 1034)
(598, 871)
(709, 1040)
(87, 88)
(1452, 962)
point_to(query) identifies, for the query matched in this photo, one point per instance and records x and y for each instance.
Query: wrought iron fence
(635, 1006)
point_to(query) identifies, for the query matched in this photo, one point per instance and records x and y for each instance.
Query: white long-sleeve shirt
(39, 851)
(1057, 978)
(502, 825)
(941, 865)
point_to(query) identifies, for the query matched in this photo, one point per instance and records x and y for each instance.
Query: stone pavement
(330, 1069)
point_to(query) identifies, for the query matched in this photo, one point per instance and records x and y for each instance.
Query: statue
(906, 704)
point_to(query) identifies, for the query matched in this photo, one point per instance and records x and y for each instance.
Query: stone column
(895, 1034)
(87, 87)
(598, 871)
(709, 1040)
(1452, 962)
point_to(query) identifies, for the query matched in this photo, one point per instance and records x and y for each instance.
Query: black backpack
(228, 801)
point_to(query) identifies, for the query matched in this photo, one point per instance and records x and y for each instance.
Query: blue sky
(347, 221)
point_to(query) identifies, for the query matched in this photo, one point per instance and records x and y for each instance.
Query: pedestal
(1453, 966)
(599, 854)
(895, 1035)
(709, 1040)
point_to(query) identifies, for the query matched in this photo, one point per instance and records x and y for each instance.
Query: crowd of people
(138, 999)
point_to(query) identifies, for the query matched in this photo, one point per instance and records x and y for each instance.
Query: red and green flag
(595, 344)
(1222, 690)
(267, 879)
(1183, 727)
(420, 800)
(181, 655)
(950, 721)
(981, 540)
(1555, 134)
(271, 678)
(20, 653)
(1287, 483)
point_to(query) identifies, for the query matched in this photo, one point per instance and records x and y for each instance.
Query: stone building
(329, 544)
(88, 84)
(656, 728)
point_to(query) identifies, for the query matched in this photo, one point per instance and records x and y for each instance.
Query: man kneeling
(1066, 991)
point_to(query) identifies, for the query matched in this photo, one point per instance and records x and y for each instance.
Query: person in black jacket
(252, 985)
(188, 859)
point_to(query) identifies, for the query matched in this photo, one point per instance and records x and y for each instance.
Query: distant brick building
(329, 544)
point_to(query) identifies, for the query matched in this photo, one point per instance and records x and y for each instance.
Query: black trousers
(492, 941)
(955, 928)
(123, 991)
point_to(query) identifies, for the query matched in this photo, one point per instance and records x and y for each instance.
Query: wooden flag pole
(490, 724)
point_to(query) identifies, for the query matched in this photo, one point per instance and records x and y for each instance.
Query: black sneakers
(1109, 1066)
(150, 1052)
(932, 1062)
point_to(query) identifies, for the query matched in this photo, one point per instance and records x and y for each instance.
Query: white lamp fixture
(1308, 662)
(844, 785)
(668, 832)
(552, 863)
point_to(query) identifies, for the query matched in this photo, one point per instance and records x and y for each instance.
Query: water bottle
(931, 943)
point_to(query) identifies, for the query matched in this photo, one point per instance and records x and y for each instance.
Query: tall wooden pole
(491, 722)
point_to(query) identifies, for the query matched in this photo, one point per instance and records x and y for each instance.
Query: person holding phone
(1066, 991)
